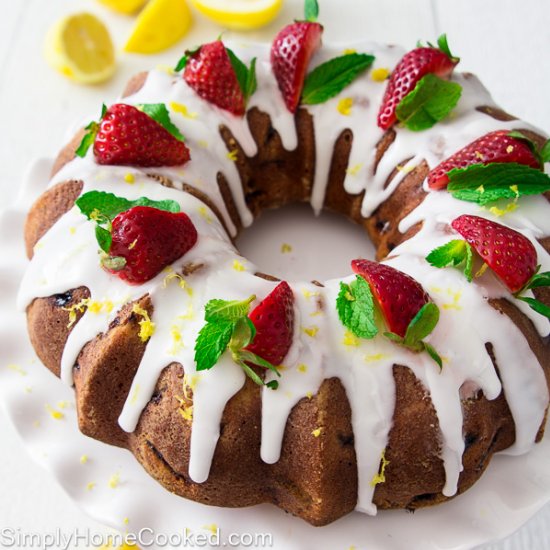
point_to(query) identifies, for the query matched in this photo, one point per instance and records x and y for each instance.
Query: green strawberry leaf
(421, 325)
(104, 207)
(113, 263)
(311, 10)
(245, 355)
(330, 78)
(433, 354)
(545, 152)
(159, 113)
(251, 374)
(227, 310)
(182, 63)
(89, 136)
(444, 47)
(212, 341)
(487, 183)
(537, 306)
(539, 279)
(273, 385)
(245, 77)
(104, 238)
(453, 253)
(355, 306)
(431, 101)
(394, 337)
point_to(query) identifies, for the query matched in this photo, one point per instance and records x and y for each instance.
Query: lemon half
(124, 6)
(160, 25)
(79, 46)
(239, 14)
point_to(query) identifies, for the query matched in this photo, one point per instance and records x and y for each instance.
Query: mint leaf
(330, 78)
(487, 183)
(273, 385)
(538, 280)
(245, 77)
(211, 343)
(537, 306)
(104, 238)
(545, 152)
(106, 206)
(433, 354)
(159, 113)
(311, 10)
(355, 306)
(422, 324)
(431, 101)
(243, 334)
(227, 310)
(453, 253)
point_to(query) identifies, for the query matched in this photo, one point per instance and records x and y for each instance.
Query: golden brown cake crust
(316, 477)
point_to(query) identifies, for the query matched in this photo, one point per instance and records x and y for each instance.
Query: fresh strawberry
(210, 73)
(128, 136)
(399, 296)
(274, 322)
(145, 240)
(499, 146)
(508, 253)
(414, 65)
(291, 52)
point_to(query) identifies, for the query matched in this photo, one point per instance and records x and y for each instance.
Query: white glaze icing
(66, 258)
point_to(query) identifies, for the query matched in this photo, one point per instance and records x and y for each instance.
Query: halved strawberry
(211, 72)
(274, 322)
(399, 296)
(414, 65)
(145, 240)
(126, 135)
(291, 52)
(511, 256)
(498, 146)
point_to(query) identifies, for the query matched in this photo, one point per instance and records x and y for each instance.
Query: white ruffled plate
(126, 498)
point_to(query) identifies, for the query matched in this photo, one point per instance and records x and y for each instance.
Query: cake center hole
(292, 243)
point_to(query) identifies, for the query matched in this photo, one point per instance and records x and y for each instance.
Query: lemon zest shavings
(114, 481)
(311, 331)
(302, 368)
(238, 266)
(182, 109)
(54, 413)
(233, 155)
(84, 459)
(205, 215)
(374, 357)
(354, 170)
(72, 230)
(316, 432)
(18, 369)
(129, 178)
(349, 51)
(344, 106)
(350, 339)
(455, 304)
(380, 477)
(90, 486)
(380, 74)
(146, 326)
(286, 248)
(309, 293)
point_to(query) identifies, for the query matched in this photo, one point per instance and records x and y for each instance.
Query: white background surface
(506, 42)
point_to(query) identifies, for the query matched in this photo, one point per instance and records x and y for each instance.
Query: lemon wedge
(123, 6)
(160, 25)
(239, 14)
(79, 47)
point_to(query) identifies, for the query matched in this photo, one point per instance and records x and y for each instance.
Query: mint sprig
(102, 208)
(311, 10)
(246, 77)
(330, 78)
(159, 113)
(486, 183)
(422, 324)
(431, 100)
(355, 306)
(454, 253)
(229, 327)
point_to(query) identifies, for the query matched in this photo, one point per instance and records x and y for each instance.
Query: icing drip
(67, 258)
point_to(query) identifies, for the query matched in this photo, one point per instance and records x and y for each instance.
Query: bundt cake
(390, 388)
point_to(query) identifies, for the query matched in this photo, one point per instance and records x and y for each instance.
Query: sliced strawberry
(399, 296)
(145, 240)
(499, 146)
(291, 52)
(408, 72)
(274, 322)
(128, 136)
(210, 73)
(508, 253)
